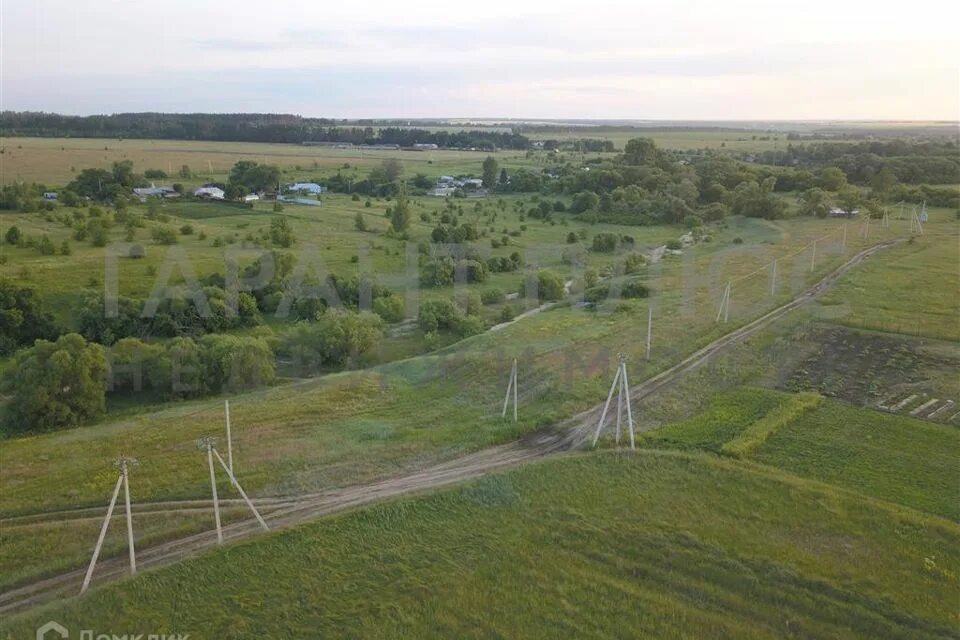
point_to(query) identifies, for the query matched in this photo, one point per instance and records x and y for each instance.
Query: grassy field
(655, 544)
(890, 457)
(734, 141)
(56, 161)
(359, 426)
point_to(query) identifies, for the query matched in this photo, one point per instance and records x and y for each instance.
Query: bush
(390, 308)
(674, 245)
(634, 289)
(549, 286)
(492, 296)
(605, 242)
(633, 263)
(444, 315)
(186, 230)
(163, 235)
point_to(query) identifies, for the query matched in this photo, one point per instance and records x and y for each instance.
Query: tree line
(245, 127)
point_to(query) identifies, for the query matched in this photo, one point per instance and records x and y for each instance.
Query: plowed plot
(867, 368)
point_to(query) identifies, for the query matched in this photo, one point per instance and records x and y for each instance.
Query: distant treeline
(244, 127)
(910, 161)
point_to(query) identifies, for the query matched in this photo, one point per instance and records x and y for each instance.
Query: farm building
(153, 191)
(306, 187)
(425, 146)
(836, 212)
(251, 197)
(208, 191)
(49, 195)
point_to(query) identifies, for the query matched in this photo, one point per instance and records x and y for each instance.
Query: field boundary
(760, 431)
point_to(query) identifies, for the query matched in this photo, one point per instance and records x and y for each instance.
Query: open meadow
(776, 492)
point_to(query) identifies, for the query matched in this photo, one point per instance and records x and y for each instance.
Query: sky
(664, 60)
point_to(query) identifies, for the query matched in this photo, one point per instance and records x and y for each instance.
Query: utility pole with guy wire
(649, 330)
(511, 385)
(226, 409)
(724, 310)
(622, 387)
(123, 464)
(207, 443)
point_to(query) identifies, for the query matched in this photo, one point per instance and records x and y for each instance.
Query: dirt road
(288, 512)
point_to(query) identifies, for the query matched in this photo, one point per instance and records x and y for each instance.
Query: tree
(13, 235)
(57, 384)
(281, 232)
(833, 179)
(883, 182)
(504, 178)
(584, 201)
(335, 337)
(757, 200)
(490, 172)
(641, 151)
(392, 168)
(253, 176)
(22, 318)
(815, 202)
(549, 286)
(849, 198)
(400, 214)
(359, 222)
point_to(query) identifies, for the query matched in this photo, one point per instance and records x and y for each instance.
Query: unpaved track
(287, 512)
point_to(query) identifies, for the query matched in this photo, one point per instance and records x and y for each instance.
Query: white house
(251, 197)
(214, 193)
(306, 187)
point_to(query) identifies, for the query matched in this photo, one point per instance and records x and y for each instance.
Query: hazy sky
(668, 59)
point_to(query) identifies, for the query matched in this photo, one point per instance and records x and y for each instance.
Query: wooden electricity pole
(511, 385)
(724, 310)
(207, 443)
(123, 480)
(622, 387)
(226, 408)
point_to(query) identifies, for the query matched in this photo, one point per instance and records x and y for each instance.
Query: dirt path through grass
(288, 512)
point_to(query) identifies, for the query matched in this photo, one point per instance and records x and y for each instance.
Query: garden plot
(891, 372)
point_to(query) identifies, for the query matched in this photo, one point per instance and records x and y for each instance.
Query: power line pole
(207, 443)
(813, 256)
(226, 408)
(511, 385)
(243, 494)
(123, 464)
(773, 278)
(124, 472)
(724, 310)
(622, 387)
(649, 330)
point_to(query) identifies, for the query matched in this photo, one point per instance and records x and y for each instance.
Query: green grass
(891, 457)
(361, 426)
(913, 291)
(726, 417)
(605, 545)
(757, 433)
